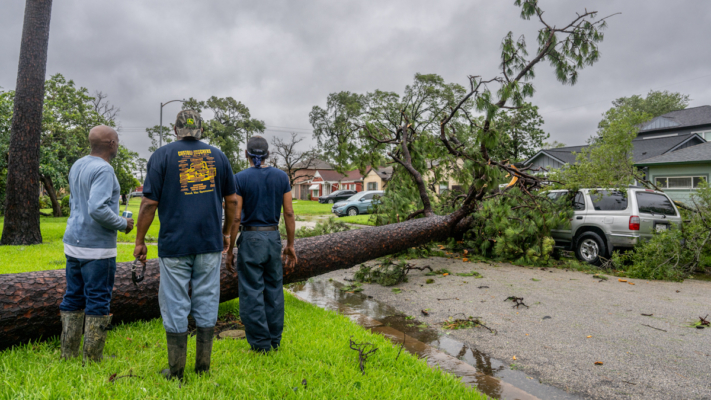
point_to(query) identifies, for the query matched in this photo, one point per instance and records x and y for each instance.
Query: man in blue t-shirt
(261, 193)
(187, 181)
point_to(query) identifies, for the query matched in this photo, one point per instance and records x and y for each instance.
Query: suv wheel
(590, 247)
(352, 211)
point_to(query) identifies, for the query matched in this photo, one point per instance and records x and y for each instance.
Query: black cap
(258, 146)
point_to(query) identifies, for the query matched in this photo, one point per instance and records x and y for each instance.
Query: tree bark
(22, 225)
(29, 302)
(49, 187)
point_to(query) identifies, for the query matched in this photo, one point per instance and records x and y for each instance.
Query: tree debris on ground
(388, 273)
(364, 351)
(464, 323)
(518, 300)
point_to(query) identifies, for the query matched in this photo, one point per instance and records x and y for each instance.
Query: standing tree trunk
(22, 225)
(49, 187)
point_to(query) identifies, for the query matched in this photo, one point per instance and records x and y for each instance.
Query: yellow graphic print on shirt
(197, 171)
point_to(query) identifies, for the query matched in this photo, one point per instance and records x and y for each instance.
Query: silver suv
(604, 220)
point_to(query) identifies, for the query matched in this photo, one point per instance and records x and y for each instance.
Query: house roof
(384, 173)
(317, 164)
(678, 119)
(333, 176)
(642, 148)
(692, 154)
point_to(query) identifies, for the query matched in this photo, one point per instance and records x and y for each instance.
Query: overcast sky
(281, 58)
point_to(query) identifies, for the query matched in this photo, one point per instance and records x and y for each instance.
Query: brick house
(326, 182)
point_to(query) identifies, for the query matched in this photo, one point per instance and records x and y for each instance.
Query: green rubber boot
(177, 353)
(72, 327)
(203, 349)
(95, 330)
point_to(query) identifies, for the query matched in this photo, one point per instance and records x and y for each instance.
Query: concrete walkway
(573, 321)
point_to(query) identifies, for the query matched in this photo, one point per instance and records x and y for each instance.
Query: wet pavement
(490, 376)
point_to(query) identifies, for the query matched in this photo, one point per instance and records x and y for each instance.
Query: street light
(161, 120)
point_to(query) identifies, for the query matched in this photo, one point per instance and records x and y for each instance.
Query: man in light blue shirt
(90, 246)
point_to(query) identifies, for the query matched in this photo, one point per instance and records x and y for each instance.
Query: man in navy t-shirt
(261, 193)
(187, 181)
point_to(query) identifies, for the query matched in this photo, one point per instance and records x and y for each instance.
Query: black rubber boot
(72, 327)
(95, 330)
(177, 352)
(203, 349)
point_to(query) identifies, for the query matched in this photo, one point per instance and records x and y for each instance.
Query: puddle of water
(474, 367)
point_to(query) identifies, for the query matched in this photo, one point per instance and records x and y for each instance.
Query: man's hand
(129, 225)
(289, 258)
(225, 243)
(140, 252)
(230, 262)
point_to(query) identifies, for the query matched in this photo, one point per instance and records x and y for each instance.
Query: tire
(352, 212)
(590, 247)
(330, 202)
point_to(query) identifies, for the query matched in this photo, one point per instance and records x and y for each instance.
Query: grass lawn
(364, 219)
(307, 207)
(314, 348)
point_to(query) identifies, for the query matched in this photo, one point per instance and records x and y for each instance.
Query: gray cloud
(281, 58)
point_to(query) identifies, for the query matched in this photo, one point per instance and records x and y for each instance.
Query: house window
(314, 193)
(679, 182)
(372, 185)
(443, 187)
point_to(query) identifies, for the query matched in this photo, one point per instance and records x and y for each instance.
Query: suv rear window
(654, 203)
(605, 200)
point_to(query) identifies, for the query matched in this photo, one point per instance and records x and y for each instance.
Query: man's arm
(145, 218)
(230, 211)
(99, 197)
(290, 222)
(230, 259)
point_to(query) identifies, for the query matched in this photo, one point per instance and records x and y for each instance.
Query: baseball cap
(258, 146)
(189, 124)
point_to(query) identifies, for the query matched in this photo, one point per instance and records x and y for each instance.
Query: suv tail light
(634, 223)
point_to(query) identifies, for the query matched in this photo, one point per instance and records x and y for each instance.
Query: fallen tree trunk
(29, 302)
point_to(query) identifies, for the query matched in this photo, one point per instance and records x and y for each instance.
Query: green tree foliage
(607, 162)
(69, 113)
(434, 130)
(518, 226)
(124, 164)
(676, 253)
(655, 104)
(521, 133)
(6, 109)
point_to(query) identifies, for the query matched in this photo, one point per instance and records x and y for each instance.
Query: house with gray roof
(661, 139)
(680, 172)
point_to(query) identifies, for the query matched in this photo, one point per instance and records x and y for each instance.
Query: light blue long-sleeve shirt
(94, 202)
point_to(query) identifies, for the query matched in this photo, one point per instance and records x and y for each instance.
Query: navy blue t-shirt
(262, 191)
(188, 179)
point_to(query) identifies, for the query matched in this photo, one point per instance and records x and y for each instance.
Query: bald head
(104, 142)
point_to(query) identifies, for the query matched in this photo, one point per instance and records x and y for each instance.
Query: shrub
(64, 203)
(45, 202)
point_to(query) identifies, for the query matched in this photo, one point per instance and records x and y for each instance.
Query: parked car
(136, 194)
(361, 203)
(605, 220)
(338, 195)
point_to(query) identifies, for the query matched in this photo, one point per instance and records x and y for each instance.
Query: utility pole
(160, 143)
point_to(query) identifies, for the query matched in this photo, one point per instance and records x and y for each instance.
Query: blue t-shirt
(262, 191)
(188, 179)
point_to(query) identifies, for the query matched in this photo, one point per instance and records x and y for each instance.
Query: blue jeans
(261, 294)
(202, 272)
(89, 285)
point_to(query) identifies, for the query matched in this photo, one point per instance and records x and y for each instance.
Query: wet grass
(365, 219)
(314, 349)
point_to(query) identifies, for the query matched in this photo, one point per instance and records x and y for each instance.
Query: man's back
(89, 224)
(262, 191)
(188, 179)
